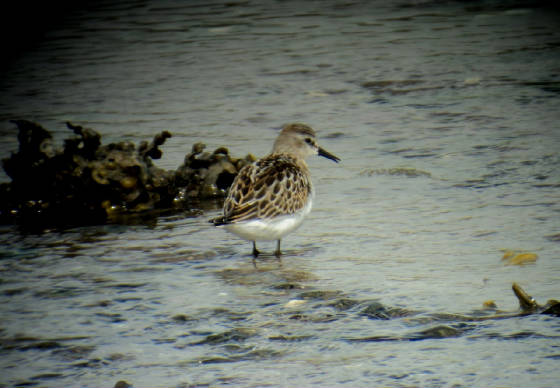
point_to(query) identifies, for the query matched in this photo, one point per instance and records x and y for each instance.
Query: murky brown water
(446, 119)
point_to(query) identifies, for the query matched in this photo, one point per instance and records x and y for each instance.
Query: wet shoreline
(445, 115)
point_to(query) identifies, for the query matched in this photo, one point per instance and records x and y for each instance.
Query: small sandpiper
(270, 198)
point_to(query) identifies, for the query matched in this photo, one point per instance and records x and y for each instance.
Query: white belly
(269, 230)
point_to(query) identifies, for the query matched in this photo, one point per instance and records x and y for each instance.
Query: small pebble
(489, 305)
(294, 303)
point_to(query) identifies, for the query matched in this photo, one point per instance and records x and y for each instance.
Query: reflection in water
(445, 116)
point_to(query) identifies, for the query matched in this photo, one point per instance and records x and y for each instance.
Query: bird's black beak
(328, 155)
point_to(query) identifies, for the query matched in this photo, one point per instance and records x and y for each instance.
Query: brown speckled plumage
(276, 185)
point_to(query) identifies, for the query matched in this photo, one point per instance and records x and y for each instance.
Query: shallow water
(446, 119)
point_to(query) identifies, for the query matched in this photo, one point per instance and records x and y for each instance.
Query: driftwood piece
(530, 306)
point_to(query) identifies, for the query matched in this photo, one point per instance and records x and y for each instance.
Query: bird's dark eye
(308, 140)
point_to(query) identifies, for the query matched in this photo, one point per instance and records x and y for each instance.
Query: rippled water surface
(445, 116)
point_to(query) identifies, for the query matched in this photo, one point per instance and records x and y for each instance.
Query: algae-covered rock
(86, 182)
(208, 175)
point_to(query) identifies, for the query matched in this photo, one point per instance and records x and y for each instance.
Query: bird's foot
(255, 250)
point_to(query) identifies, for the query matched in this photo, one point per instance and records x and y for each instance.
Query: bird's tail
(218, 221)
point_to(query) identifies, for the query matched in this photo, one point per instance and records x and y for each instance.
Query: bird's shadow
(266, 259)
(272, 258)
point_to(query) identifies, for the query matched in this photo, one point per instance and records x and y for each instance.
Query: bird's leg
(255, 250)
(278, 253)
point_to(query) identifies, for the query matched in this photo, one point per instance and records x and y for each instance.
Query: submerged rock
(437, 332)
(86, 182)
(234, 335)
(376, 310)
(122, 384)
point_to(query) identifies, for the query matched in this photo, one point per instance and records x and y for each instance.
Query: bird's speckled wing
(272, 186)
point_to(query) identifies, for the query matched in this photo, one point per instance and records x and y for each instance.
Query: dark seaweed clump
(86, 182)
